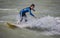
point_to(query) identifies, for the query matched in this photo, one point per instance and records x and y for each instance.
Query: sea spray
(48, 23)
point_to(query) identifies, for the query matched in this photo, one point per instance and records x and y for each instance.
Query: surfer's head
(32, 6)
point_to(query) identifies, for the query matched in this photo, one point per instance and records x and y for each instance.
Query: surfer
(27, 10)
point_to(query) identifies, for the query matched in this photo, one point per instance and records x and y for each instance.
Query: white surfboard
(12, 25)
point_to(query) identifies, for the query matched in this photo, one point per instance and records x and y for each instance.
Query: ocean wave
(47, 23)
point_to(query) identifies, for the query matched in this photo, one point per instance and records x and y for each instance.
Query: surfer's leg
(21, 19)
(25, 18)
(21, 16)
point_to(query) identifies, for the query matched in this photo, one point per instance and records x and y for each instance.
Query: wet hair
(32, 5)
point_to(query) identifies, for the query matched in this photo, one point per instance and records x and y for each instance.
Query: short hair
(32, 5)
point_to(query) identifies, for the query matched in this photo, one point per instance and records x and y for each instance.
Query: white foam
(53, 23)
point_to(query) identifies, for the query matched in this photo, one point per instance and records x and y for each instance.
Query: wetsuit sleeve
(31, 13)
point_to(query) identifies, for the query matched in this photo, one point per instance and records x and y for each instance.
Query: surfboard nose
(10, 25)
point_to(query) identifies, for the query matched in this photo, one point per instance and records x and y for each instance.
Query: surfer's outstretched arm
(31, 14)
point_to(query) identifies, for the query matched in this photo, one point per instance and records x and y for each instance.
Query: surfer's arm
(31, 13)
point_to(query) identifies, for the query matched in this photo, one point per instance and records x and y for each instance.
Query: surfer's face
(32, 7)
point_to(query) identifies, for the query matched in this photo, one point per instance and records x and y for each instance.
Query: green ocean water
(43, 8)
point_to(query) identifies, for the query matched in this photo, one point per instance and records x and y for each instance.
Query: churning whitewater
(48, 22)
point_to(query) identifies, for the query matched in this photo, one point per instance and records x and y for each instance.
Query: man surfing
(26, 10)
(23, 16)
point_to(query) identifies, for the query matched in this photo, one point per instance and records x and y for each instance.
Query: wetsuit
(23, 13)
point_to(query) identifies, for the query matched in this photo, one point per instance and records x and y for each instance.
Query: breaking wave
(47, 23)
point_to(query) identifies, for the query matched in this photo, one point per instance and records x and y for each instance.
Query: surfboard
(13, 26)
